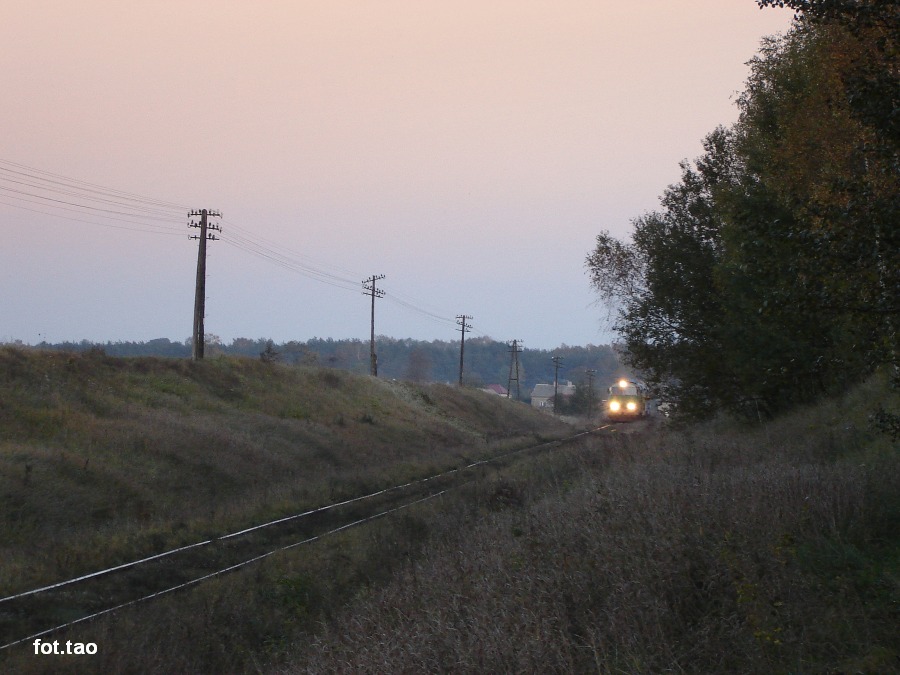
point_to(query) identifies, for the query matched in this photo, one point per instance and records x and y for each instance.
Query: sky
(469, 151)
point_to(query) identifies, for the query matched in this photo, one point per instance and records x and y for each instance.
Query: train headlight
(615, 406)
(631, 405)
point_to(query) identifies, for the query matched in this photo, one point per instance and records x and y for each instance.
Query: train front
(626, 401)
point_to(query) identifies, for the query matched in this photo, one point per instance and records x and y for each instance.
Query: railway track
(40, 612)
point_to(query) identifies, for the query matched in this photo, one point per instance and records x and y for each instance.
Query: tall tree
(835, 183)
(664, 281)
(770, 273)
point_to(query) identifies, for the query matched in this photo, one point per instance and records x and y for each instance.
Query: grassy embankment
(710, 550)
(105, 460)
(714, 549)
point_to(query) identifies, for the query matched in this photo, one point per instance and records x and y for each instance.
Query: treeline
(486, 361)
(771, 272)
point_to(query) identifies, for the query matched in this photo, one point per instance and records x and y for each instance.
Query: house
(497, 389)
(542, 394)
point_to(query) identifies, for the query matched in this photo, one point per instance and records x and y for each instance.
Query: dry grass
(705, 552)
(104, 460)
(711, 549)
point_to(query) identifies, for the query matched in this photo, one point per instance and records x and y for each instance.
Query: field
(713, 549)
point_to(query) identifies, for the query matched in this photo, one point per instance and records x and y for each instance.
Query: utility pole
(463, 327)
(375, 293)
(556, 360)
(515, 348)
(590, 373)
(200, 288)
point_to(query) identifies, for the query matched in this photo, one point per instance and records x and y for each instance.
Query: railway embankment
(340, 523)
(716, 548)
(106, 461)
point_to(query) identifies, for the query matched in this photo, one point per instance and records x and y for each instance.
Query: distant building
(497, 389)
(542, 394)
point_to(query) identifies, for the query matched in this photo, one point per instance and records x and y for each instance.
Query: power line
(288, 262)
(80, 206)
(157, 229)
(84, 186)
(279, 247)
(307, 266)
(134, 212)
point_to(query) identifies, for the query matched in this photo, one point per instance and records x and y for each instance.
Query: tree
(869, 79)
(835, 182)
(670, 309)
(770, 273)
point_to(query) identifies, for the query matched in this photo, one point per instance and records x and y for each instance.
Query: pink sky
(469, 151)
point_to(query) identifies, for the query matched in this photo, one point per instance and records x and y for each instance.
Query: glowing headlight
(614, 406)
(631, 405)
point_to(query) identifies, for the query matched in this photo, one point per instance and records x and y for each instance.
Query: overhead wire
(80, 206)
(60, 196)
(150, 211)
(157, 229)
(305, 265)
(277, 246)
(84, 186)
(287, 261)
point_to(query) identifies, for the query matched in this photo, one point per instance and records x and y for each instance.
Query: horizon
(470, 153)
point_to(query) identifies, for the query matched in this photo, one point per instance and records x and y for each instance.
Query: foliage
(770, 273)
(582, 403)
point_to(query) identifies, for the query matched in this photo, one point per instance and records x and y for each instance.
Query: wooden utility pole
(556, 360)
(375, 293)
(200, 287)
(590, 373)
(463, 327)
(515, 348)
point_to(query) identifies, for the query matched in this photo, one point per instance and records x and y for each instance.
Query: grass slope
(103, 460)
(708, 550)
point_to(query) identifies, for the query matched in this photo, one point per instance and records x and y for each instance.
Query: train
(627, 400)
